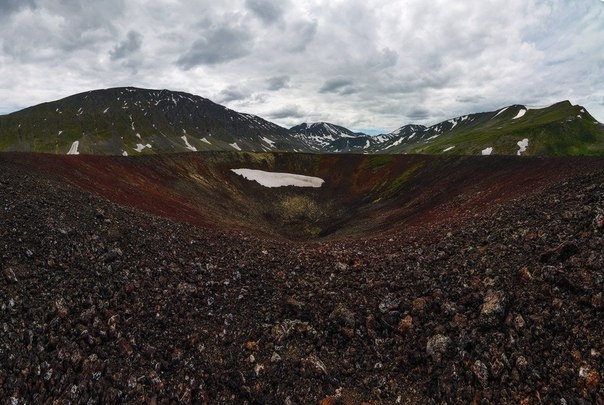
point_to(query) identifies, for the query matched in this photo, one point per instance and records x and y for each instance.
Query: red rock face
(362, 195)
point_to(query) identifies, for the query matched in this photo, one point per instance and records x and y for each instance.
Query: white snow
(397, 142)
(124, 153)
(522, 145)
(487, 151)
(205, 140)
(448, 149)
(105, 110)
(74, 148)
(60, 132)
(520, 114)
(235, 146)
(139, 147)
(368, 144)
(189, 146)
(275, 179)
(138, 136)
(270, 143)
(454, 122)
(500, 111)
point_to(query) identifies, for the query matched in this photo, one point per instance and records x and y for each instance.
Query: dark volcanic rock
(105, 304)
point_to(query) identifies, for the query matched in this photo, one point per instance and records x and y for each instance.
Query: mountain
(128, 121)
(131, 121)
(558, 130)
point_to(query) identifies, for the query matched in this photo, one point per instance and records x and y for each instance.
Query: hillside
(445, 278)
(132, 121)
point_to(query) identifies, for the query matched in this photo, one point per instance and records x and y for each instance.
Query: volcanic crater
(402, 279)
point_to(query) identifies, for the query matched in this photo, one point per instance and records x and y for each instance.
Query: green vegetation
(116, 120)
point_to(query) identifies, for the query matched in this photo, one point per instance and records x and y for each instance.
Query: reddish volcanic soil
(404, 279)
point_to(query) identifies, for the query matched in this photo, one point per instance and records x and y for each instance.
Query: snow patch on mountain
(140, 147)
(487, 151)
(520, 114)
(235, 146)
(522, 145)
(187, 144)
(74, 148)
(276, 179)
(270, 143)
(500, 111)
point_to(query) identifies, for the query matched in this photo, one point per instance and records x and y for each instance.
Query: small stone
(497, 368)
(275, 358)
(459, 321)
(521, 363)
(343, 316)
(596, 301)
(251, 345)
(524, 274)
(315, 364)
(519, 322)
(341, 266)
(493, 308)
(291, 302)
(331, 400)
(419, 304)
(389, 303)
(590, 375)
(437, 345)
(9, 275)
(348, 332)
(481, 372)
(258, 369)
(599, 221)
(405, 324)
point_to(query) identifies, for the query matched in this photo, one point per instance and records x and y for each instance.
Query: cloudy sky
(363, 64)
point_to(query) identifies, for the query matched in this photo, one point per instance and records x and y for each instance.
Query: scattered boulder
(492, 310)
(437, 346)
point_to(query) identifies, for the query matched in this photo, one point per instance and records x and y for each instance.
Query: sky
(367, 65)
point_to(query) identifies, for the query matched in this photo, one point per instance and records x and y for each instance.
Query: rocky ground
(104, 304)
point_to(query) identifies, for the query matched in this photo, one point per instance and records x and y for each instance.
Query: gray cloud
(418, 114)
(360, 63)
(338, 85)
(268, 11)
(300, 35)
(277, 82)
(232, 93)
(219, 45)
(127, 47)
(11, 6)
(287, 112)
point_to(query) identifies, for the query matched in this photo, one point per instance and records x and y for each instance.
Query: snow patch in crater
(276, 179)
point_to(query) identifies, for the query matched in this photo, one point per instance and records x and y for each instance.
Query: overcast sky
(363, 64)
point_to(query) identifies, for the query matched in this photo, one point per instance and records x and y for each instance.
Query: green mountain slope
(130, 121)
(558, 130)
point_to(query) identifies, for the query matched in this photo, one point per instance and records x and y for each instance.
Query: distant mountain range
(133, 121)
